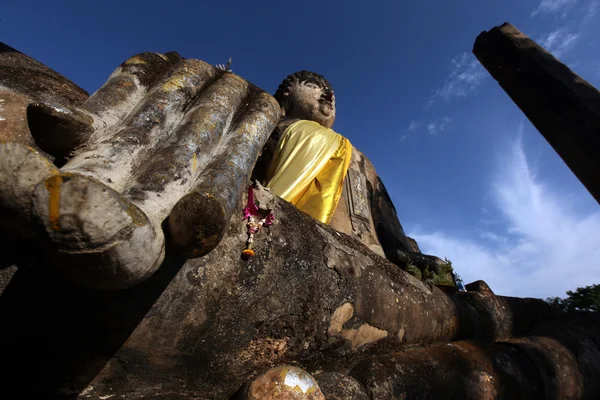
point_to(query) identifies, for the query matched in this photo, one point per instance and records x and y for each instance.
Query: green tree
(582, 299)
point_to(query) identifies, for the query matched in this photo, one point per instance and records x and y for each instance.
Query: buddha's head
(307, 95)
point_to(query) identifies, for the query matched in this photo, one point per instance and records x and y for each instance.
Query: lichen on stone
(413, 270)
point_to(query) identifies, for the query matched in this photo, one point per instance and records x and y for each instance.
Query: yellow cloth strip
(308, 168)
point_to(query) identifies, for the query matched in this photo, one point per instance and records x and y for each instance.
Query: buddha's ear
(286, 104)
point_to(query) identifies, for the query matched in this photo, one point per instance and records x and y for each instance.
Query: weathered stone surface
(23, 74)
(338, 386)
(59, 128)
(563, 107)
(560, 362)
(204, 327)
(486, 316)
(413, 246)
(428, 268)
(460, 370)
(163, 137)
(479, 286)
(21, 169)
(572, 367)
(366, 212)
(23, 81)
(13, 118)
(353, 213)
(217, 192)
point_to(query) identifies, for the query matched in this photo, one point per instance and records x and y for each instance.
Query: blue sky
(471, 179)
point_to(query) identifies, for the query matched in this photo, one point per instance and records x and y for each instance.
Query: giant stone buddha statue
(319, 171)
(150, 171)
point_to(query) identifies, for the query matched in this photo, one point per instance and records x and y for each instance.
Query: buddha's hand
(163, 137)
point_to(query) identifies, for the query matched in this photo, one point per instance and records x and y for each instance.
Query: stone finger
(21, 169)
(532, 367)
(126, 86)
(13, 120)
(22, 74)
(459, 370)
(24, 80)
(199, 220)
(173, 169)
(114, 158)
(59, 129)
(93, 234)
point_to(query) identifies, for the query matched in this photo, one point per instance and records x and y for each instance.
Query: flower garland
(250, 212)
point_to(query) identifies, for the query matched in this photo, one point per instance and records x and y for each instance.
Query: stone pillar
(562, 106)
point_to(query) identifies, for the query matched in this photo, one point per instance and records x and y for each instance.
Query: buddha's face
(310, 100)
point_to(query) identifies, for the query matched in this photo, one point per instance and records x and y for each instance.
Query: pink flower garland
(250, 212)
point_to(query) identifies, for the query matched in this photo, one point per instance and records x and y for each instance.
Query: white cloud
(466, 75)
(432, 127)
(490, 221)
(545, 248)
(413, 126)
(436, 126)
(492, 236)
(559, 41)
(444, 123)
(575, 28)
(553, 6)
(592, 9)
(412, 129)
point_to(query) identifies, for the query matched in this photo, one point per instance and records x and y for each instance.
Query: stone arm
(397, 247)
(387, 224)
(164, 142)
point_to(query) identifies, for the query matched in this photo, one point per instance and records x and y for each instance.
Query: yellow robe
(308, 168)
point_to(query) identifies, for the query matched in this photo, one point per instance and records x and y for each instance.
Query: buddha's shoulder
(286, 122)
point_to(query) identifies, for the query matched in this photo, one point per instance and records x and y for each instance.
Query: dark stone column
(562, 106)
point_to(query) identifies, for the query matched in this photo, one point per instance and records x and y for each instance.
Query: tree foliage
(583, 299)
